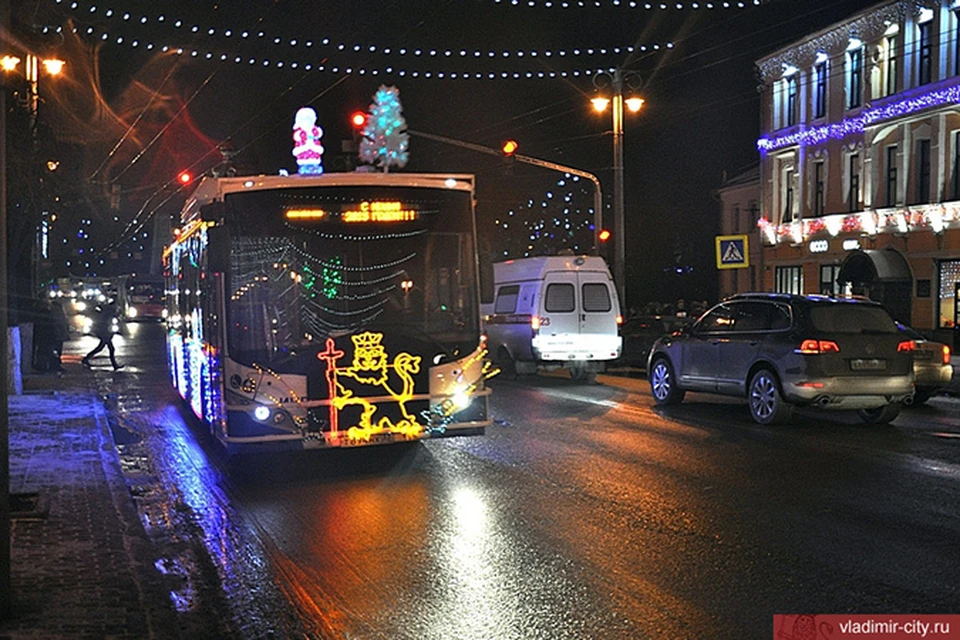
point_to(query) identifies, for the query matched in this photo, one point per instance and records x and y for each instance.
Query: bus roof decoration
(306, 142)
(384, 140)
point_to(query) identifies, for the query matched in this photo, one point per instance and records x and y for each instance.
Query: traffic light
(509, 148)
(604, 235)
(358, 120)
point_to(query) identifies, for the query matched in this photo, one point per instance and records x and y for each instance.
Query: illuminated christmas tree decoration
(384, 138)
(306, 142)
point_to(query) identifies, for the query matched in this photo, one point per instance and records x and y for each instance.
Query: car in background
(781, 351)
(640, 332)
(932, 370)
(146, 300)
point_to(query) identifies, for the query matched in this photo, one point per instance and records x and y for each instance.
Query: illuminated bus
(335, 310)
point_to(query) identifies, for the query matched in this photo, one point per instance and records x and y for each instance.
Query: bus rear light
(818, 346)
(906, 346)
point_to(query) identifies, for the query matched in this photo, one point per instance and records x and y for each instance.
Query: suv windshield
(851, 318)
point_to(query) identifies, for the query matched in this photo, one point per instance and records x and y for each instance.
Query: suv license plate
(868, 364)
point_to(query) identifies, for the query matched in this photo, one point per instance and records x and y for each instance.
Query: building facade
(740, 207)
(860, 162)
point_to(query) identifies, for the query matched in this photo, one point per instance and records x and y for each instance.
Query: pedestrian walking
(103, 329)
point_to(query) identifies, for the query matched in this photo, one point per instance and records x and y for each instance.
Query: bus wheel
(508, 368)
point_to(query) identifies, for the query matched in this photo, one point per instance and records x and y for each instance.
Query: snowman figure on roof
(306, 142)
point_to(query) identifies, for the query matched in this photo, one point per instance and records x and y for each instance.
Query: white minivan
(553, 312)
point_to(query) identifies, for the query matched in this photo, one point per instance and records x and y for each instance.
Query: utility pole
(6, 591)
(619, 246)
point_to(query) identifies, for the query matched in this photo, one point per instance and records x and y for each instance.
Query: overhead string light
(628, 4)
(296, 45)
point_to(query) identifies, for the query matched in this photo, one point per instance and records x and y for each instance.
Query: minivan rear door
(598, 314)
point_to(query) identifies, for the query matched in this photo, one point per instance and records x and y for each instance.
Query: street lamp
(610, 87)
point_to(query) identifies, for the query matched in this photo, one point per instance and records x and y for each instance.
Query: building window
(792, 100)
(788, 195)
(789, 280)
(956, 43)
(923, 171)
(854, 77)
(891, 194)
(892, 66)
(949, 284)
(818, 189)
(829, 286)
(820, 90)
(925, 53)
(853, 172)
(955, 179)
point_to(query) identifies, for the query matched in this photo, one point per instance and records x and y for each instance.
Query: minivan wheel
(579, 373)
(767, 405)
(508, 368)
(880, 415)
(663, 385)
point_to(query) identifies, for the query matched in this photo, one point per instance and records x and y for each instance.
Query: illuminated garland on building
(856, 125)
(932, 217)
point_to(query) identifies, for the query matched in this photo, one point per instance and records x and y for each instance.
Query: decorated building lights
(911, 103)
(930, 217)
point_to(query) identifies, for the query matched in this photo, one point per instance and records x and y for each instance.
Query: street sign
(732, 252)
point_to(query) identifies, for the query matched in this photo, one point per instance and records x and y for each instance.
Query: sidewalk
(81, 563)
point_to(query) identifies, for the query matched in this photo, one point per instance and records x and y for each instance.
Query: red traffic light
(358, 119)
(185, 177)
(604, 235)
(510, 147)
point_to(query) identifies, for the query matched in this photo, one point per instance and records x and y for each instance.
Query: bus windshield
(325, 261)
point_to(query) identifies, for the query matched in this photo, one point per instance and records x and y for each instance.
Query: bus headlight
(461, 400)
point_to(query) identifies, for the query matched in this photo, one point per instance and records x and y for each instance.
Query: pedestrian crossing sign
(732, 252)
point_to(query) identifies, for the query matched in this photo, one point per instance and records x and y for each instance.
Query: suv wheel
(767, 405)
(880, 415)
(663, 384)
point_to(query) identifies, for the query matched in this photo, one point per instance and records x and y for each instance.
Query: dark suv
(781, 351)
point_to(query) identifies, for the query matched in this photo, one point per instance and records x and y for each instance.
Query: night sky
(135, 117)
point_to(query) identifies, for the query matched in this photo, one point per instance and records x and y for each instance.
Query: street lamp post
(612, 83)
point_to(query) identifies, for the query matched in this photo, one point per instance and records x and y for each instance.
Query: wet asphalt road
(583, 513)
